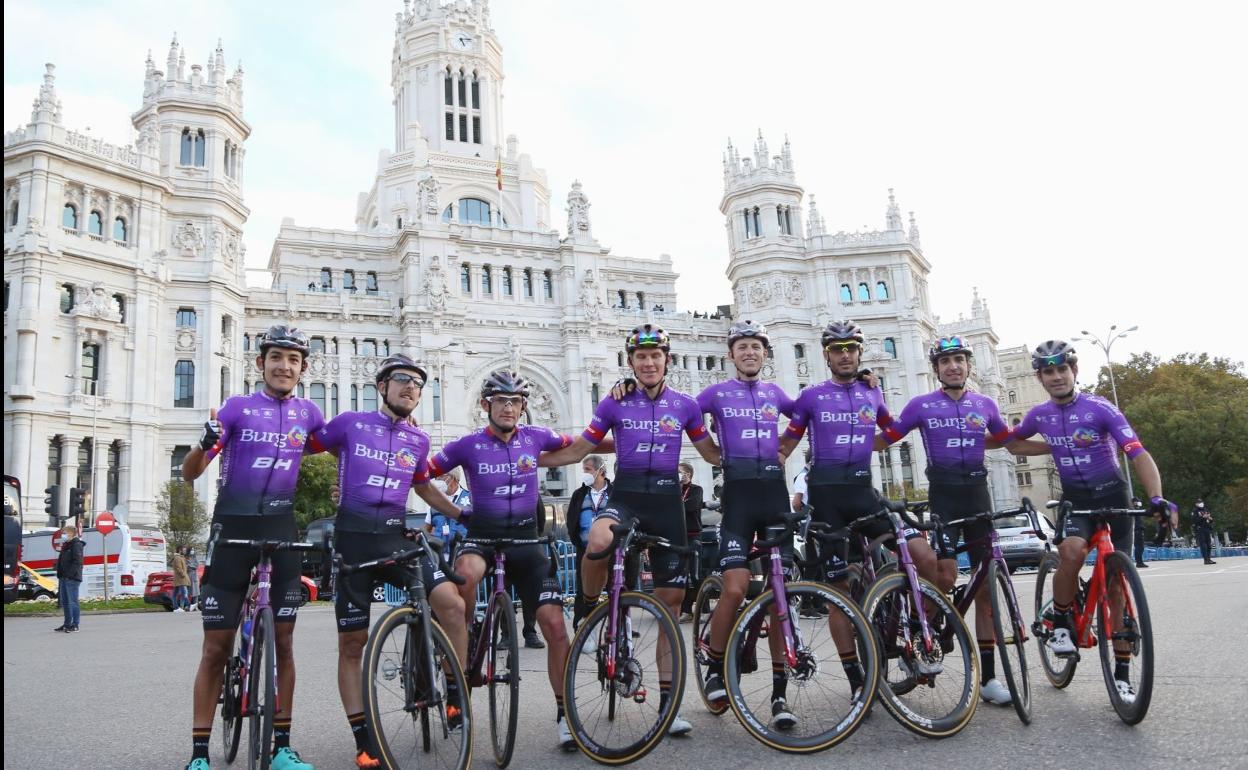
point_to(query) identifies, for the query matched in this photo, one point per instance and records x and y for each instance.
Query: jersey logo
(507, 490)
(976, 421)
(1084, 437)
(769, 412)
(381, 481)
(297, 436)
(756, 433)
(269, 462)
(955, 443)
(651, 446)
(406, 458)
(843, 439)
(1072, 462)
(866, 415)
(668, 423)
(526, 464)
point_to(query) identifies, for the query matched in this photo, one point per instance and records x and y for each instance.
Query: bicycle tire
(703, 608)
(231, 700)
(1118, 568)
(894, 589)
(395, 659)
(586, 667)
(1059, 671)
(842, 720)
(262, 688)
(504, 680)
(1011, 632)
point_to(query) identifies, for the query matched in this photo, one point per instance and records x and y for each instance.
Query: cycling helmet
(747, 328)
(648, 336)
(506, 382)
(945, 346)
(1053, 353)
(399, 361)
(841, 331)
(287, 337)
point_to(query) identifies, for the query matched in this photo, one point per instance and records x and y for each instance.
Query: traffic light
(52, 503)
(76, 503)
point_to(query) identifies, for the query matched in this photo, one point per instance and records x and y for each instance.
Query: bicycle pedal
(639, 697)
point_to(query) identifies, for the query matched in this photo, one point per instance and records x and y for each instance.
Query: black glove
(211, 435)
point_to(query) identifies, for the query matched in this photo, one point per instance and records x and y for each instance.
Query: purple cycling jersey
(842, 420)
(1082, 435)
(953, 433)
(647, 436)
(262, 443)
(747, 422)
(502, 475)
(377, 457)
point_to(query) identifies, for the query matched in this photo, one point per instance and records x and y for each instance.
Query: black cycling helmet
(399, 361)
(841, 331)
(286, 337)
(648, 336)
(947, 346)
(1053, 353)
(505, 382)
(748, 328)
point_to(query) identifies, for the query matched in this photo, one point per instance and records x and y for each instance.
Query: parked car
(1019, 543)
(32, 585)
(159, 589)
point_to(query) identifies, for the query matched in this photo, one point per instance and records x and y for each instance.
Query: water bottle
(245, 647)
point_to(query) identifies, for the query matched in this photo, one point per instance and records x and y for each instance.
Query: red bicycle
(1111, 613)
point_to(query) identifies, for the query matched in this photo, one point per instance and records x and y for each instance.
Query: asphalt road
(117, 695)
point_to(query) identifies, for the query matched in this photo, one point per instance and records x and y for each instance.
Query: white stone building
(1036, 476)
(443, 265)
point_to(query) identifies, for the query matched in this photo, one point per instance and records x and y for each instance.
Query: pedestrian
(192, 567)
(69, 573)
(181, 581)
(693, 498)
(1139, 535)
(445, 527)
(588, 499)
(1202, 522)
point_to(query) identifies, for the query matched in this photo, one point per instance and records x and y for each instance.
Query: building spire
(814, 220)
(914, 233)
(171, 63)
(892, 219)
(47, 107)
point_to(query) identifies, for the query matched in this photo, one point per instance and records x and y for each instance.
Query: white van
(133, 554)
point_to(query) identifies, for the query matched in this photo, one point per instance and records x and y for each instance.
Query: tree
(317, 475)
(1191, 412)
(181, 515)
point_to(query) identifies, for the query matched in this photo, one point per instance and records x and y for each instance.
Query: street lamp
(441, 393)
(1106, 345)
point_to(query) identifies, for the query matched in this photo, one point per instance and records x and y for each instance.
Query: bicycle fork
(781, 602)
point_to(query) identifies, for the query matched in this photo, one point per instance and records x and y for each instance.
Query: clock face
(461, 41)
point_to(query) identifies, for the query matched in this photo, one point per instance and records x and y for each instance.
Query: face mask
(588, 479)
(439, 485)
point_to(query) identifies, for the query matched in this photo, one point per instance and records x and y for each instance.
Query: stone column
(123, 477)
(17, 460)
(99, 495)
(108, 220)
(84, 215)
(894, 459)
(69, 470)
(876, 471)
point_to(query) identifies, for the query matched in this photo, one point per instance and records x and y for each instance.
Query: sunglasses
(950, 344)
(648, 339)
(1056, 360)
(516, 402)
(406, 379)
(843, 347)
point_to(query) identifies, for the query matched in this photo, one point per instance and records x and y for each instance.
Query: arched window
(799, 352)
(370, 283)
(548, 284)
(890, 347)
(527, 279)
(641, 300)
(864, 293)
(847, 296)
(465, 279)
(200, 144)
(13, 214)
(120, 231)
(188, 148)
(90, 369)
(784, 220)
(113, 484)
(184, 384)
(327, 279)
(619, 359)
(67, 297)
(348, 280)
(507, 287)
(333, 400)
(473, 211)
(317, 391)
(594, 395)
(355, 397)
(246, 342)
(1013, 397)
(487, 281)
(881, 290)
(96, 223)
(437, 399)
(448, 90)
(623, 299)
(69, 217)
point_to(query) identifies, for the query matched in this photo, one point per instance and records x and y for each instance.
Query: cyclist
(746, 414)
(842, 414)
(1083, 431)
(953, 421)
(261, 439)
(378, 453)
(500, 463)
(646, 426)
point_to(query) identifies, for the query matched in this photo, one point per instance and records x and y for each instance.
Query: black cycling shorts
(750, 506)
(228, 578)
(839, 504)
(355, 547)
(1121, 528)
(527, 568)
(659, 515)
(955, 501)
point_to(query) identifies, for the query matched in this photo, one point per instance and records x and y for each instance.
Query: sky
(1082, 164)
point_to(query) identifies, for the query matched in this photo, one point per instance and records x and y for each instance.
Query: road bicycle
(415, 693)
(625, 649)
(1110, 613)
(249, 686)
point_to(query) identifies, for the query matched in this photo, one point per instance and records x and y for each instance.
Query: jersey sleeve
(317, 418)
(1026, 428)
(907, 421)
(552, 440)
(786, 403)
(1116, 424)
(421, 474)
(449, 458)
(800, 415)
(706, 399)
(996, 426)
(695, 425)
(883, 416)
(603, 421)
(330, 437)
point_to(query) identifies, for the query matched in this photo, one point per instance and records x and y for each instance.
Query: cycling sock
(714, 662)
(281, 734)
(779, 681)
(1061, 616)
(853, 671)
(558, 708)
(359, 730)
(987, 663)
(200, 738)
(665, 693)
(1122, 666)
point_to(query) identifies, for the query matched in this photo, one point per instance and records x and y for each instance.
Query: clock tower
(447, 74)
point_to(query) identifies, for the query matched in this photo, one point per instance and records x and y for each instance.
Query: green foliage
(317, 475)
(181, 515)
(1191, 412)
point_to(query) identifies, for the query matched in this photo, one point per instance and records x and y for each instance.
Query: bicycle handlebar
(791, 520)
(621, 531)
(425, 546)
(1025, 509)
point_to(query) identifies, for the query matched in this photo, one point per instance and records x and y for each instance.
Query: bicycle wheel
(1058, 670)
(1011, 630)
(504, 680)
(938, 688)
(417, 721)
(828, 705)
(613, 692)
(1127, 632)
(703, 607)
(231, 699)
(262, 684)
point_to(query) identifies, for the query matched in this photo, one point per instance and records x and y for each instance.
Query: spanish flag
(498, 170)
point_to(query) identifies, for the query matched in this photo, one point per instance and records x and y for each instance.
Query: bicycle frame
(613, 598)
(478, 657)
(1098, 592)
(980, 573)
(257, 600)
(912, 580)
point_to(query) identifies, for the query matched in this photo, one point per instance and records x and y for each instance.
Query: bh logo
(297, 436)
(769, 412)
(1084, 437)
(866, 415)
(406, 458)
(976, 421)
(668, 424)
(526, 464)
